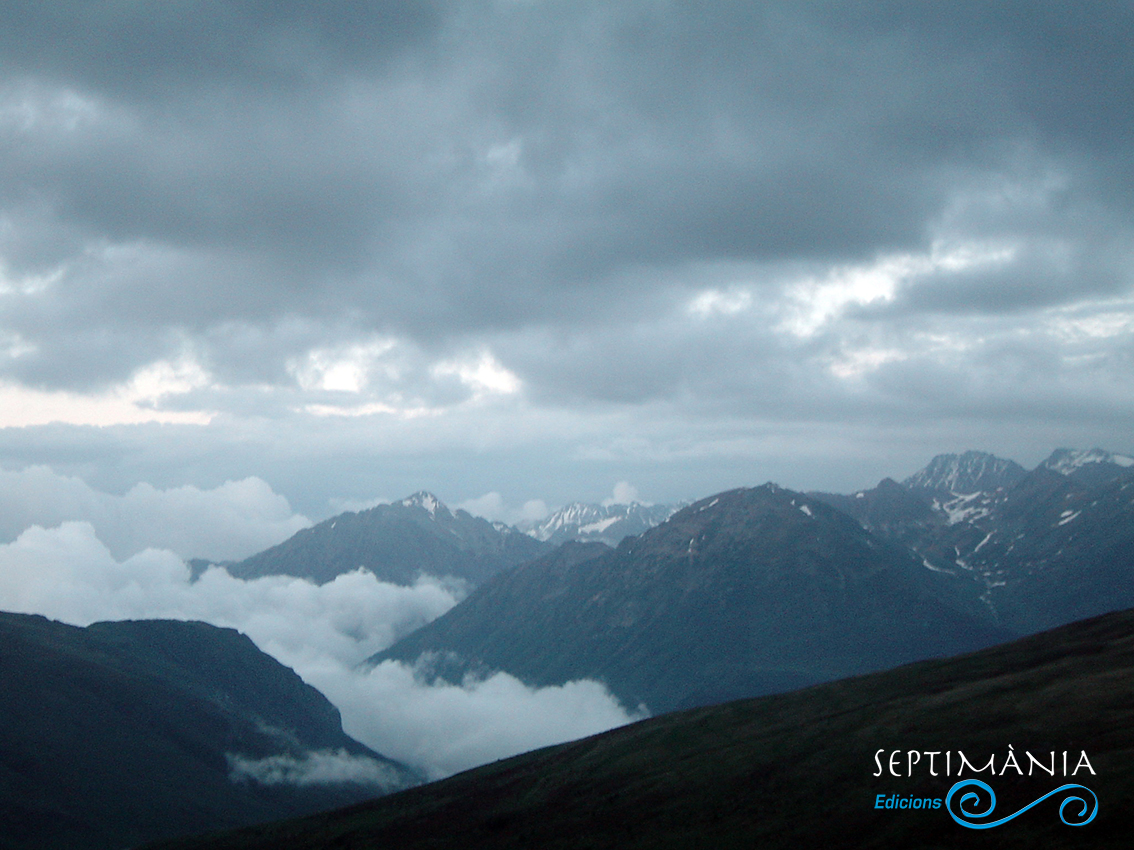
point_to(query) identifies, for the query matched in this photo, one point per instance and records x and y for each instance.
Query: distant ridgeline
(753, 591)
(398, 543)
(419, 535)
(1046, 547)
(763, 590)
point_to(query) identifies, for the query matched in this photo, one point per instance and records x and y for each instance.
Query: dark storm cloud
(263, 186)
(1064, 68)
(153, 50)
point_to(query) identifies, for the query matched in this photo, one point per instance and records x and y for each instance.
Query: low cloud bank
(324, 632)
(68, 574)
(442, 728)
(229, 522)
(318, 767)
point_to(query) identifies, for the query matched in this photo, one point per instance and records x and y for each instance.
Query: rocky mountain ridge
(1048, 546)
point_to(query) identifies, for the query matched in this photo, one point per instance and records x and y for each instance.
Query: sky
(535, 249)
(264, 262)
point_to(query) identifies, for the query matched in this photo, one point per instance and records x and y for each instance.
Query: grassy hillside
(793, 770)
(123, 732)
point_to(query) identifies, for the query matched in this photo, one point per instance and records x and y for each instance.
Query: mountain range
(757, 590)
(420, 535)
(809, 768)
(1048, 546)
(749, 592)
(124, 732)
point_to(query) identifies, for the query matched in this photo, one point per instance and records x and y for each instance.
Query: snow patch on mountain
(967, 508)
(426, 501)
(1066, 461)
(607, 523)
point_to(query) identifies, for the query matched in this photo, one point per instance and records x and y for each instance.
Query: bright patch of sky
(813, 303)
(484, 375)
(721, 302)
(135, 402)
(28, 108)
(343, 370)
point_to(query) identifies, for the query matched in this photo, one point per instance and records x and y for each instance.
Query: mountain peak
(426, 501)
(397, 542)
(971, 472)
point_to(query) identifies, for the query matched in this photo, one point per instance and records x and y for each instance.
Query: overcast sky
(536, 249)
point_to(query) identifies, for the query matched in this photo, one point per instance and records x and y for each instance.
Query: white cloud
(35, 108)
(484, 375)
(625, 493)
(67, 573)
(813, 302)
(533, 509)
(345, 369)
(324, 632)
(443, 728)
(125, 405)
(1091, 322)
(376, 408)
(492, 507)
(319, 767)
(727, 302)
(231, 521)
(29, 284)
(857, 362)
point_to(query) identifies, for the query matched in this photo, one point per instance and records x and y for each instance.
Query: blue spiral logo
(965, 816)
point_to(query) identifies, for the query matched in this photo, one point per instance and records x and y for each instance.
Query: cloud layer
(496, 232)
(229, 522)
(324, 633)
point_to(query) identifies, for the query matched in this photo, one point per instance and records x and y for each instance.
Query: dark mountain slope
(890, 510)
(123, 732)
(398, 543)
(749, 592)
(794, 770)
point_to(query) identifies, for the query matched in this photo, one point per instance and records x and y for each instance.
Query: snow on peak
(1066, 461)
(966, 473)
(609, 523)
(426, 501)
